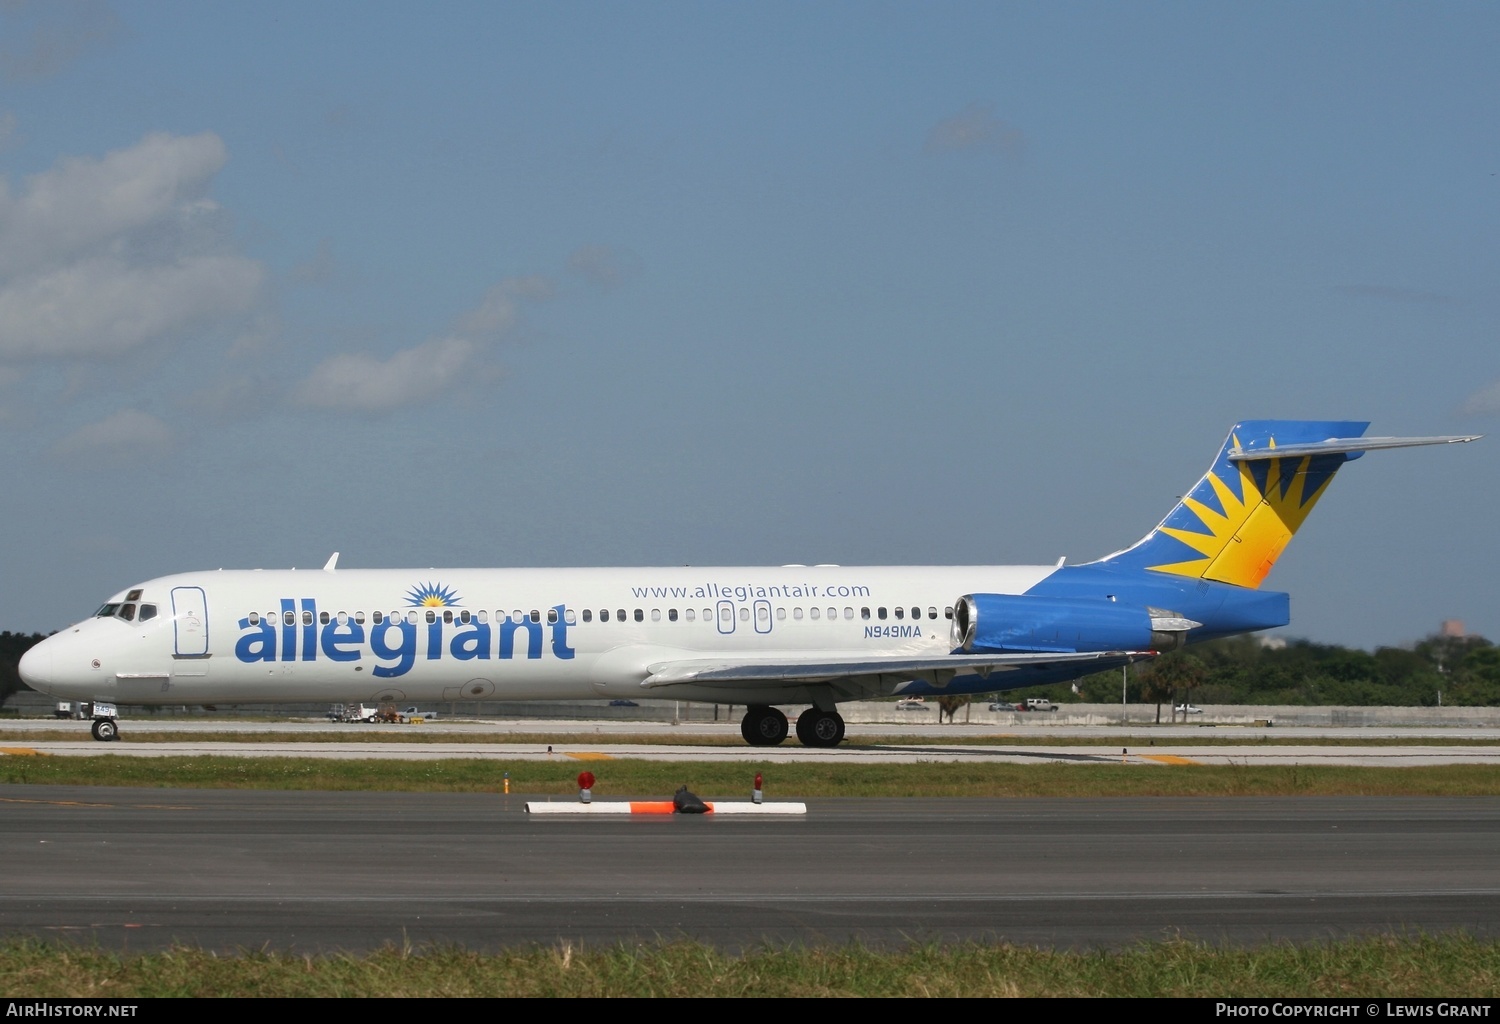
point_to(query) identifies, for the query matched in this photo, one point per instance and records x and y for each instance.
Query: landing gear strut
(820, 728)
(763, 726)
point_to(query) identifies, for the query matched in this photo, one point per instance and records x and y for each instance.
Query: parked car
(1040, 704)
(412, 712)
(1188, 709)
(622, 703)
(911, 704)
(1002, 705)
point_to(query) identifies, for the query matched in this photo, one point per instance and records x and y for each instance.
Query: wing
(938, 670)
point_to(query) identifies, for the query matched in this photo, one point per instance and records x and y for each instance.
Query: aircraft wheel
(106, 729)
(763, 726)
(820, 728)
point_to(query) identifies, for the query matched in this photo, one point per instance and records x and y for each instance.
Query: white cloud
(83, 202)
(43, 37)
(357, 382)
(104, 306)
(128, 436)
(98, 256)
(603, 265)
(975, 128)
(501, 306)
(1482, 402)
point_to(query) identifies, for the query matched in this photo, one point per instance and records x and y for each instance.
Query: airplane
(816, 635)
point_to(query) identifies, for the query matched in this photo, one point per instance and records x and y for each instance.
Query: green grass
(1455, 966)
(791, 781)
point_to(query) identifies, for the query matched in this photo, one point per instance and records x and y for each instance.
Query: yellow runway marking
(585, 755)
(23, 752)
(1169, 759)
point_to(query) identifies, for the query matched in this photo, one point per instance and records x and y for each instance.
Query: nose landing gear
(106, 727)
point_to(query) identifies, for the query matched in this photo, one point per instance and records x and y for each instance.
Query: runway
(141, 869)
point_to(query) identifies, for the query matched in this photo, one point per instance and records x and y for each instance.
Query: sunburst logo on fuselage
(432, 595)
(1240, 535)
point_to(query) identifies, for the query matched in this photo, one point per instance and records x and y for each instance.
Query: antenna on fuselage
(332, 563)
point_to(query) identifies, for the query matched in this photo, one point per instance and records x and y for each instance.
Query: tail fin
(1236, 521)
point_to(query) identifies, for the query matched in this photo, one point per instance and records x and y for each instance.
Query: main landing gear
(765, 726)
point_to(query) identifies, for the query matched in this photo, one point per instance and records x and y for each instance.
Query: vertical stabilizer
(1233, 525)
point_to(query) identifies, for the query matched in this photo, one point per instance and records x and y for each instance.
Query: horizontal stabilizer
(1340, 445)
(726, 672)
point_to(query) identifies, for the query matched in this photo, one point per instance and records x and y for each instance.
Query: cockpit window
(127, 612)
(106, 611)
(134, 595)
(148, 611)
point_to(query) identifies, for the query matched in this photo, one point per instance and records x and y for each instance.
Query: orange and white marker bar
(662, 807)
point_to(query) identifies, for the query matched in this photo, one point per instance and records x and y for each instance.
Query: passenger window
(570, 617)
(864, 613)
(948, 612)
(640, 616)
(289, 618)
(812, 613)
(464, 616)
(603, 614)
(447, 617)
(551, 616)
(253, 618)
(708, 615)
(411, 617)
(781, 614)
(849, 613)
(536, 616)
(656, 615)
(797, 614)
(148, 611)
(689, 614)
(377, 617)
(359, 617)
(881, 612)
(431, 616)
(931, 613)
(588, 615)
(744, 614)
(323, 618)
(306, 617)
(900, 612)
(620, 615)
(482, 615)
(671, 614)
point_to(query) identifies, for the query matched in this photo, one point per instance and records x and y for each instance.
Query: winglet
(332, 563)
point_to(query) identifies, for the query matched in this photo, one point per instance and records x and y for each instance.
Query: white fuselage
(493, 634)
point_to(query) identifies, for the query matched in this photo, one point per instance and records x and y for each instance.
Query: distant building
(1454, 628)
(1272, 643)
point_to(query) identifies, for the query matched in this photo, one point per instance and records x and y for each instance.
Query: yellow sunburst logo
(1242, 542)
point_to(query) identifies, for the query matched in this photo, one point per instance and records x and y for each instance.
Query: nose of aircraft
(39, 668)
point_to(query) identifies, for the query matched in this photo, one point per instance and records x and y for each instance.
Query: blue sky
(692, 283)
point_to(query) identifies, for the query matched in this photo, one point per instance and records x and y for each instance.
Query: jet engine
(991, 623)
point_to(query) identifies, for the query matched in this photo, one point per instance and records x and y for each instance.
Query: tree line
(1248, 670)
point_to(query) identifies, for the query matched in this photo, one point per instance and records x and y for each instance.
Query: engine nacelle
(991, 623)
